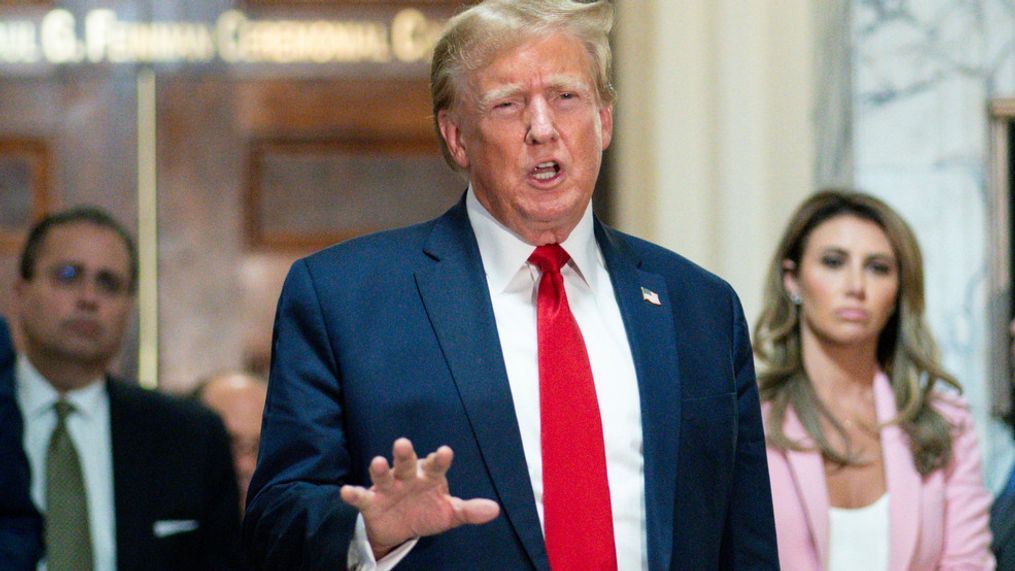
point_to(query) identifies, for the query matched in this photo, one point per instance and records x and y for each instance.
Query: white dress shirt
(513, 284)
(89, 429)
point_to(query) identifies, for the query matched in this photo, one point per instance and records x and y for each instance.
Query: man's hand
(411, 499)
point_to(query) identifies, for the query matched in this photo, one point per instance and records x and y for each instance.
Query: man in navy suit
(20, 524)
(438, 333)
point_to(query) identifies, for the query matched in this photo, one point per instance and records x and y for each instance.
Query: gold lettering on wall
(413, 36)
(102, 37)
(291, 41)
(18, 42)
(59, 41)
(109, 39)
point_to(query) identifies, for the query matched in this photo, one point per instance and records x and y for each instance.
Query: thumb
(475, 511)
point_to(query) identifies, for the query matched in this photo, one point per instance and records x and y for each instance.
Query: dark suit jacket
(20, 524)
(171, 463)
(1002, 525)
(394, 335)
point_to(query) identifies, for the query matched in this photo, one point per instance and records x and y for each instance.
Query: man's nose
(88, 294)
(542, 128)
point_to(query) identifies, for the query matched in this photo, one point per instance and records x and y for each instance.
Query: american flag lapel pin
(650, 296)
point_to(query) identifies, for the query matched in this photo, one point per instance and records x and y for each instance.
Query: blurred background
(237, 136)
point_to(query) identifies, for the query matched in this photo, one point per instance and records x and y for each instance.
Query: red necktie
(577, 517)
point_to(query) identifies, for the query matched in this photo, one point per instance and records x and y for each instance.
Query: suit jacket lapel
(652, 337)
(128, 489)
(901, 478)
(809, 480)
(457, 300)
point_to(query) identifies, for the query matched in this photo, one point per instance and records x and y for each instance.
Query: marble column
(923, 74)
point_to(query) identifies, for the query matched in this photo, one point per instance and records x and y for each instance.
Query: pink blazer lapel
(901, 478)
(809, 480)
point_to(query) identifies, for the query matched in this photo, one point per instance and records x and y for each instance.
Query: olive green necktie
(68, 539)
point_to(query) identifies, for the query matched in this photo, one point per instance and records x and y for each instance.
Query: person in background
(1002, 525)
(872, 452)
(1002, 513)
(20, 523)
(126, 478)
(595, 392)
(238, 398)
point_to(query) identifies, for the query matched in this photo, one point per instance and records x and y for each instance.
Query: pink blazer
(937, 522)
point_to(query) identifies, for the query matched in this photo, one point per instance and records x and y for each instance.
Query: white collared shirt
(90, 431)
(513, 284)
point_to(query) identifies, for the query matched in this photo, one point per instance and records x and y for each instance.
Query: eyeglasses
(107, 283)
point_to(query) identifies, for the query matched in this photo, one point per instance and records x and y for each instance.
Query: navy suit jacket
(20, 523)
(394, 335)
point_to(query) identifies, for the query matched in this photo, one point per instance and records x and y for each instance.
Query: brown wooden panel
(336, 3)
(364, 109)
(310, 194)
(24, 188)
(217, 293)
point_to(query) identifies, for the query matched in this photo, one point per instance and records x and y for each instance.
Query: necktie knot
(63, 410)
(549, 258)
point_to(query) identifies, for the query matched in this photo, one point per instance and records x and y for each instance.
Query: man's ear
(452, 133)
(606, 124)
(789, 279)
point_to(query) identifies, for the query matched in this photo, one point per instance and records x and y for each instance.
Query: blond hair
(474, 37)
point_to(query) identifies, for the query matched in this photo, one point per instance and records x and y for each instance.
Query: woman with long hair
(872, 452)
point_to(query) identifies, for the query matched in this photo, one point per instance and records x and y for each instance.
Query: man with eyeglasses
(126, 478)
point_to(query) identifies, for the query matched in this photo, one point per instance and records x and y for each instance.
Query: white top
(513, 284)
(89, 429)
(859, 538)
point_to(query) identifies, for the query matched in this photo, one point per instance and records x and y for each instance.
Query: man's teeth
(545, 170)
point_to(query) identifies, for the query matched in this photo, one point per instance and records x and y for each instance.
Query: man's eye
(110, 283)
(66, 274)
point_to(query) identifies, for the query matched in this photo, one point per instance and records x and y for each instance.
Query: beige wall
(715, 128)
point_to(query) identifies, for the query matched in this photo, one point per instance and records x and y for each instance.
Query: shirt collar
(37, 396)
(504, 253)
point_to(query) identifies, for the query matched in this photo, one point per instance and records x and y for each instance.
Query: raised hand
(411, 499)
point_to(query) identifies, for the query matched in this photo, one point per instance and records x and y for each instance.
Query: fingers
(437, 463)
(406, 466)
(475, 511)
(380, 474)
(356, 496)
(405, 459)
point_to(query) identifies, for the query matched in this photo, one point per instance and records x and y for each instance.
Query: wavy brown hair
(906, 351)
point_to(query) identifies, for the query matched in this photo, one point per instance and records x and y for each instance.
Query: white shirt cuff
(361, 556)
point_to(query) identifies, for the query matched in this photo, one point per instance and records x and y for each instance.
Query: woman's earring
(795, 298)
